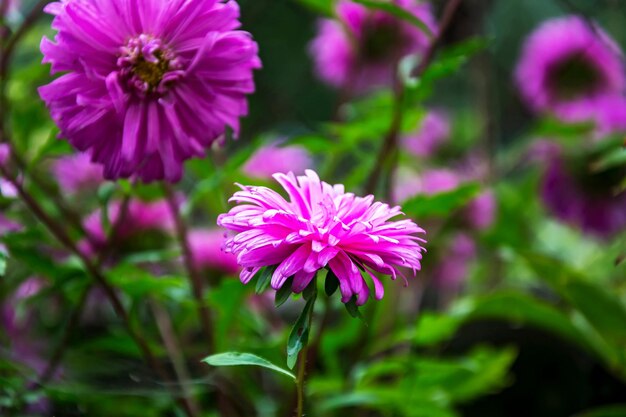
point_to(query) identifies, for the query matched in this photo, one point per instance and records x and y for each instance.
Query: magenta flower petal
(433, 132)
(147, 84)
(207, 249)
(320, 226)
(76, 173)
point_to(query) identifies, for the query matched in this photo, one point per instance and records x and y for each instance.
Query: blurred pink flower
(320, 226)
(607, 113)
(207, 248)
(568, 61)
(452, 270)
(147, 84)
(5, 152)
(409, 184)
(271, 159)
(433, 132)
(584, 199)
(76, 173)
(481, 211)
(359, 49)
(140, 218)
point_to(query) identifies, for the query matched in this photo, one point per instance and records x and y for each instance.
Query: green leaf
(323, 7)
(299, 335)
(617, 410)
(3, 262)
(244, 359)
(283, 293)
(441, 204)
(331, 283)
(311, 289)
(265, 276)
(399, 12)
(353, 309)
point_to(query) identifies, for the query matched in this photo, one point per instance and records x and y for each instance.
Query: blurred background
(520, 309)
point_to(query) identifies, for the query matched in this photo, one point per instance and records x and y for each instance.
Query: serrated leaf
(283, 293)
(264, 279)
(299, 335)
(331, 283)
(399, 12)
(244, 359)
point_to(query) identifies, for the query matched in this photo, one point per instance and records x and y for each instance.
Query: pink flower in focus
(568, 61)
(147, 84)
(361, 48)
(207, 249)
(273, 158)
(320, 226)
(433, 132)
(76, 173)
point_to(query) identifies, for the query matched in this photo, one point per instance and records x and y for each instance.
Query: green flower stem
(300, 380)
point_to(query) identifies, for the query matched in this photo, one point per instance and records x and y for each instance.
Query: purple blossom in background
(452, 270)
(568, 62)
(320, 226)
(147, 84)
(76, 173)
(434, 131)
(480, 213)
(409, 184)
(141, 217)
(273, 158)
(207, 248)
(607, 113)
(5, 152)
(590, 201)
(359, 49)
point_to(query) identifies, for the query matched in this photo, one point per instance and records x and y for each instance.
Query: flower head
(360, 48)
(76, 173)
(568, 61)
(433, 132)
(589, 200)
(273, 158)
(320, 226)
(147, 84)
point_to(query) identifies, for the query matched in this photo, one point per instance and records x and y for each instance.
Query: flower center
(381, 41)
(574, 77)
(147, 66)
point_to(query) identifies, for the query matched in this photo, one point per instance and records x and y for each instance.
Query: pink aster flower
(207, 248)
(147, 84)
(361, 48)
(76, 173)
(569, 61)
(433, 132)
(320, 226)
(274, 158)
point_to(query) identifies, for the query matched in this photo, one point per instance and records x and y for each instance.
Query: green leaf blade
(244, 359)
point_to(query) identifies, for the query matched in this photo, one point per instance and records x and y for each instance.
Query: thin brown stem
(94, 271)
(74, 320)
(388, 151)
(195, 278)
(166, 329)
